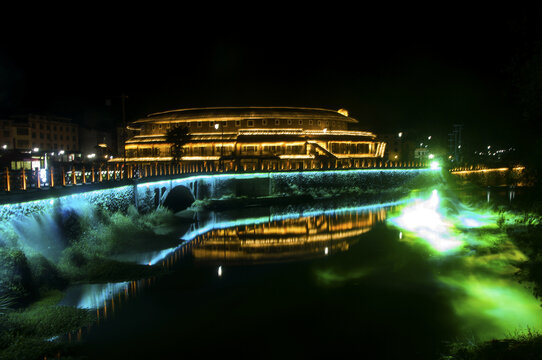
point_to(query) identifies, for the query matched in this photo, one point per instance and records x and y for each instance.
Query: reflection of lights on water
(424, 219)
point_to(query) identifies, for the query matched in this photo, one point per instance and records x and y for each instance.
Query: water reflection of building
(283, 240)
(270, 137)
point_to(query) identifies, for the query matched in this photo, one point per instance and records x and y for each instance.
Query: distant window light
(250, 123)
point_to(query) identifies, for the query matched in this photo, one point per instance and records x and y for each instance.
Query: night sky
(395, 69)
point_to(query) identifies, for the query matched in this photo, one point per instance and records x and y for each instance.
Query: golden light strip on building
(296, 156)
(200, 158)
(339, 132)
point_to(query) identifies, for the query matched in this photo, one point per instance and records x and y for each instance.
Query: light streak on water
(479, 283)
(424, 219)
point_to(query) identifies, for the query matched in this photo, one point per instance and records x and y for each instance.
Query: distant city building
(277, 137)
(46, 133)
(97, 144)
(398, 147)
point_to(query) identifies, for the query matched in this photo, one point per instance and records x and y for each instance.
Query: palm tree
(178, 136)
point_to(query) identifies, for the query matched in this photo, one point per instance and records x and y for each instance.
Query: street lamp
(217, 125)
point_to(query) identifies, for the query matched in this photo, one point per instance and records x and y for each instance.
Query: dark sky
(393, 68)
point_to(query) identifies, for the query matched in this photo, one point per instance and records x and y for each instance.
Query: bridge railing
(62, 176)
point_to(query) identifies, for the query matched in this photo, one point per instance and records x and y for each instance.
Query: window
(237, 123)
(250, 123)
(264, 121)
(277, 121)
(199, 123)
(211, 123)
(224, 123)
(311, 122)
(289, 121)
(250, 148)
(22, 131)
(300, 122)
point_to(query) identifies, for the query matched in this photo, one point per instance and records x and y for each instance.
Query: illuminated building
(256, 137)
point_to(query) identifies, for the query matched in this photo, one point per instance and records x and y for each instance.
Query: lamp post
(221, 146)
(123, 98)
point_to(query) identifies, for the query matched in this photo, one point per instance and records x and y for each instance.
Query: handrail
(80, 175)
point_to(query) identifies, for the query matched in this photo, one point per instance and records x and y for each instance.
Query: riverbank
(82, 246)
(520, 219)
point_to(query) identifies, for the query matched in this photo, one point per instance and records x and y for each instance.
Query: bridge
(166, 184)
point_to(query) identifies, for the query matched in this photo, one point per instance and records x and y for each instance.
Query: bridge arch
(178, 198)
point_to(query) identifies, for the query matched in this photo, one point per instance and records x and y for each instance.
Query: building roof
(238, 113)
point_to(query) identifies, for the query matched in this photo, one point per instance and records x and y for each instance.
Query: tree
(177, 137)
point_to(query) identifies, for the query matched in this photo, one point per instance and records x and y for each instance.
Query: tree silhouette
(177, 137)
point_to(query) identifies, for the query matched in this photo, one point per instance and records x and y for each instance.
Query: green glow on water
(424, 220)
(474, 260)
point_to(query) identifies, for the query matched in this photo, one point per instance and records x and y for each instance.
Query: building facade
(255, 137)
(47, 133)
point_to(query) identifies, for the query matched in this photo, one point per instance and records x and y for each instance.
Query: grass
(27, 333)
(517, 346)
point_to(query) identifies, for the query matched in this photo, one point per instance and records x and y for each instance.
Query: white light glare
(220, 271)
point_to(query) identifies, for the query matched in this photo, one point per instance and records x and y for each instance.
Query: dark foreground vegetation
(32, 324)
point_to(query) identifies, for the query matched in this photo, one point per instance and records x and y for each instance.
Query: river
(394, 280)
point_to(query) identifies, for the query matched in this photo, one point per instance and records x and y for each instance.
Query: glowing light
(36, 149)
(220, 271)
(326, 250)
(431, 156)
(423, 219)
(4, 146)
(435, 165)
(400, 134)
